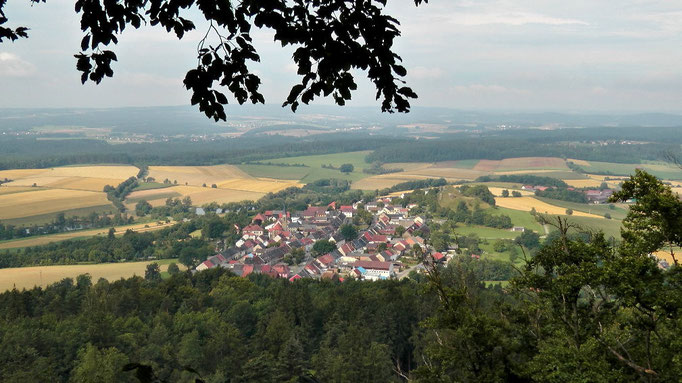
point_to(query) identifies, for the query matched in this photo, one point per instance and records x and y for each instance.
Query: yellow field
(13, 189)
(197, 175)
(588, 183)
(417, 171)
(521, 163)
(90, 178)
(28, 277)
(498, 191)
(527, 203)
(579, 162)
(260, 185)
(199, 195)
(44, 201)
(45, 239)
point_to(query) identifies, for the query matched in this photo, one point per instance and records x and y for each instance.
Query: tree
(95, 365)
(399, 231)
(569, 211)
(153, 272)
(528, 239)
(349, 232)
(323, 246)
(346, 168)
(173, 268)
(516, 193)
(505, 193)
(295, 256)
(143, 208)
(331, 39)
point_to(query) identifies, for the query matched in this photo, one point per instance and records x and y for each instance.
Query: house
(348, 211)
(375, 270)
(598, 196)
(519, 229)
(200, 211)
(252, 232)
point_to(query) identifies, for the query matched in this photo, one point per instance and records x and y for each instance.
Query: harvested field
(89, 178)
(579, 162)
(43, 201)
(258, 185)
(521, 163)
(588, 183)
(197, 175)
(201, 195)
(28, 277)
(45, 239)
(527, 203)
(14, 189)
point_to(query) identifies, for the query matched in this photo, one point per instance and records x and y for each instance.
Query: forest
(581, 308)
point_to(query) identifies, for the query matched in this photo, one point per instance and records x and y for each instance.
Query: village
(322, 243)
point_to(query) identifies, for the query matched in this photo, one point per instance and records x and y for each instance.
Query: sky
(542, 55)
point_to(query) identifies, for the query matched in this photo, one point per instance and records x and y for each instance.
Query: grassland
(610, 227)
(45, 239)
(28, 277)
(519, 218)
(49, 217)
(486, 232)
(617, 212)
(661, 170)
(314, 170)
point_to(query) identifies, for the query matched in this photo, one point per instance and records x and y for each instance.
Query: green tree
(143, 208)
(528, 239)
(349, 232)
(569, 211)
(173, 268)
(399, 231)
(516, 193)
(153, 272)
(505, 193)
(346, 168)
(323, 246)
(100, 365)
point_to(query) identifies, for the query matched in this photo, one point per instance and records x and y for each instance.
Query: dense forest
(581, 309)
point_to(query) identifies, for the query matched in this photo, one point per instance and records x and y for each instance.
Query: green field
(598, 209)
(519, 218)
(660, 169)
(48, 218)
(274, 171)
(486, 232)
(466, 164)
(610, 227)
(314, 171)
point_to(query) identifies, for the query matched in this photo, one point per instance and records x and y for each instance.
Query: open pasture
(662, 170)
(528, 203)
(497, 191)
(29, 277)
(39, 201)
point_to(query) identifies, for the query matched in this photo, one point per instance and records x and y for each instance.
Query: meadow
(529, 203)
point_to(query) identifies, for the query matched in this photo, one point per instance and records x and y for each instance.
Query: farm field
(88, 178)
(528, 203)
(39, 201)
(497, 191)
(618, 212)
(45, 239)
(28, 277)
(661, 170)
(196, 175)
(519, 218)
(314, 170)
(49, 217)
(521, 163)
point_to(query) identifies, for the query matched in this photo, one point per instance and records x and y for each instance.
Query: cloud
(425, 73)
(12, 65)
(510, 18)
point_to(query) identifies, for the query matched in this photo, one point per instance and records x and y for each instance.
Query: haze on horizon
(584, 55)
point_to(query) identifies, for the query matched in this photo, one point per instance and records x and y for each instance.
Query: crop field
(199, 195)
(45, 239)
(258, 185)
(618, 211)
(43, 201)
(196, 175)
(521, 163)
(528, 203)
(313, 170)
(89, 178)
(49, 217)
(29, 277)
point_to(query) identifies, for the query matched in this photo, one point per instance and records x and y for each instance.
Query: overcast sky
(541, 55)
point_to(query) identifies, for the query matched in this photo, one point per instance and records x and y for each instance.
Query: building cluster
(267, 244)
(593, 195)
